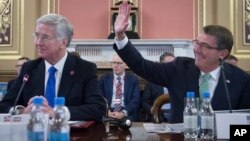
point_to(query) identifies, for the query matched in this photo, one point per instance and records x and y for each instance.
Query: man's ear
(65, 41)
(224, 53)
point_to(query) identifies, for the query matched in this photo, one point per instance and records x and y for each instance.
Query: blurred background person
(75, 53)
(121, 90)
(19, 64)
(231, 59)
(152, 91)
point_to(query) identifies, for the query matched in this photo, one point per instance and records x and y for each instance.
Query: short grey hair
(63, 27)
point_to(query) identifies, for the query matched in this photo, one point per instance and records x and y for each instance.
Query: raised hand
(122, 20)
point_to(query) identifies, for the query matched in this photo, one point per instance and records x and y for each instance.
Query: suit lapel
(126, 87)
(39, 79)
(193, 80)
(68, 75)
(219, 93)
(110, 84)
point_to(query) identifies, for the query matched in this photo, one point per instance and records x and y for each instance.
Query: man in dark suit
(130, 92)
(19, 64)
(75, 78)
(152, 91)
(184, 74)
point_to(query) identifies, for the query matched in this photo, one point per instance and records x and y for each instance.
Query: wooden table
(137, 132)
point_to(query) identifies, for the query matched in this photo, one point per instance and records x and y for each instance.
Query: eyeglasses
(44, 38)
(203, 45)
(116, 63)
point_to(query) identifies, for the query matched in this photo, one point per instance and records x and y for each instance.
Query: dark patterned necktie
(50, 92)
(118, 106)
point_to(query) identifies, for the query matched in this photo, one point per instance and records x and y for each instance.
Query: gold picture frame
(133, 21)
(115, 3)
(246, 22)
(241, 26)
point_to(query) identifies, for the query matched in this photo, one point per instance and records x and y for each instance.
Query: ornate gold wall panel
(6, 22)
(21, 17)
(242, 22)
(10, 21)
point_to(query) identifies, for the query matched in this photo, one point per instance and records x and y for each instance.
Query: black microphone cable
(225, 85)
(25, 79)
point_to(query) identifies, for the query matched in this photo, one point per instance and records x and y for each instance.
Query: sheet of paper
(163, 127)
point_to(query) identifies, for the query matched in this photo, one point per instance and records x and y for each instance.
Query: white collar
(59, 65)
(215, 74)
(122, 76)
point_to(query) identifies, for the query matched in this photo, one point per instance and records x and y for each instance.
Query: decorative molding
(15, 48)
(101, 51)
(241, 25)
(201, 11)
(6, 11)
(246, 22)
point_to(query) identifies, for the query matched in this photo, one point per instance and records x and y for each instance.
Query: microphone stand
(225, 85)
(25, 79)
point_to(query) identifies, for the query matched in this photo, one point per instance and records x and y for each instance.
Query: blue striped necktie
(118, 106)
(51, 86)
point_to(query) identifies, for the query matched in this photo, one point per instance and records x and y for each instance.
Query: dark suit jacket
(79, 86)
(151, 92)
(131, 93)
(10, 84)
(182, 75)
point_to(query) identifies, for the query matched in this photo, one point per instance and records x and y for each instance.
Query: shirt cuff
(125, 112)
(67, 113)
(122, 43)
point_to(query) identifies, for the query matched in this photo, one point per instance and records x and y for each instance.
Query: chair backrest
(156, 109)
(107, 105)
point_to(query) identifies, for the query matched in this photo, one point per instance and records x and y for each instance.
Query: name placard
(224, 121)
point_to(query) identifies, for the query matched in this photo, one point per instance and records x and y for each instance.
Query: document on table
(81, 124)
(163, 127)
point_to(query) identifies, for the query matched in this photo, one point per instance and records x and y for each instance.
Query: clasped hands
(117, 115)
(45, 106)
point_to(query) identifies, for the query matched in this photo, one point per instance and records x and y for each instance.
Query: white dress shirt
(121, 44)
(58, 74)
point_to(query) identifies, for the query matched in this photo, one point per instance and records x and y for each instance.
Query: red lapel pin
(72, 72)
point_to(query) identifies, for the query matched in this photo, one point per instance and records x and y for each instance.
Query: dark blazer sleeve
(157, 73)
(106, 87)
(151, 92)
(10, 84)
(132, 95)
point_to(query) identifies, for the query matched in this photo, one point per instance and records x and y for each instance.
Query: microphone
(225, 85)
(123, 123)
(25, 79)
